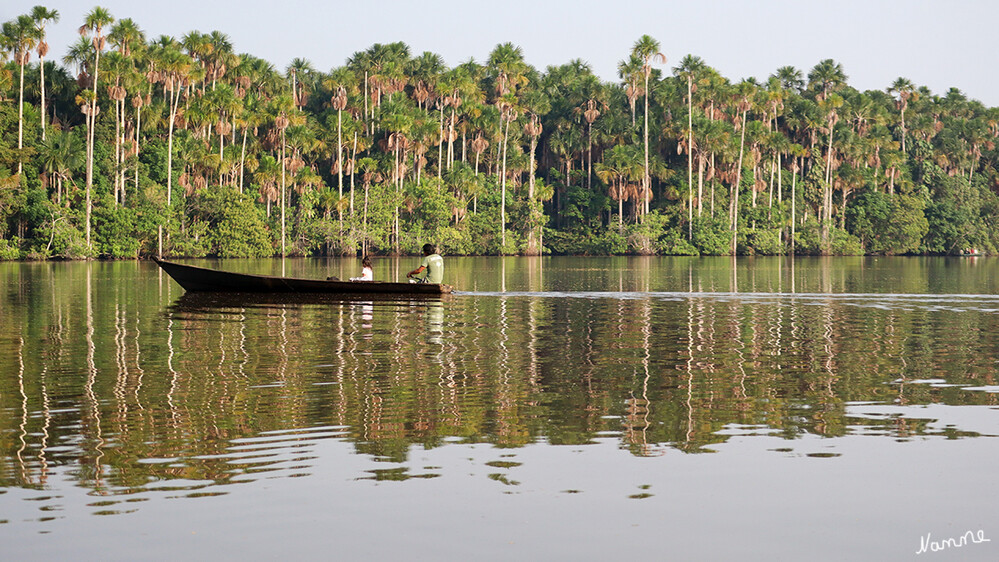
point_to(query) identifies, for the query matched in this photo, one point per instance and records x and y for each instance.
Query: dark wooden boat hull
(202, 279)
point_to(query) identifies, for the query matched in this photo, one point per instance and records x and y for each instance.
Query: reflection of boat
(193, 278)
(212, 302)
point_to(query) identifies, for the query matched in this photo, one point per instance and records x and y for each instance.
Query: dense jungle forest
(129, 146)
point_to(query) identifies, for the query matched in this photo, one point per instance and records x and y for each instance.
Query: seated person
(432, 267)
(367, 274)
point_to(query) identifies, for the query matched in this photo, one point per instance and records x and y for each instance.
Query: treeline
(136, 146)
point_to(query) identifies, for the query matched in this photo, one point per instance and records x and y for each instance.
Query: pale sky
(937, 44)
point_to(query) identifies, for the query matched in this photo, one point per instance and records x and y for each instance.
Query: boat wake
(943, 302)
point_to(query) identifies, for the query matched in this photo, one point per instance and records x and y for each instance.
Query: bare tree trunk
(734, 213)
(353, 160)
(138, 125)
(700, 183)
(646, 183)
(827, 192)
(242, 157)
(506, 135)
(282, 195)
(339, 155)
(794, 200)
(41, 69)
(440, 145)
(450, 141)
(20, 122)
(589, 156)
(690, 160)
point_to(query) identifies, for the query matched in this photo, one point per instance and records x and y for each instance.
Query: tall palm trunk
(41, 69)
(506, 135)
(794, 199)
(450, 141)
(174, 106)
(713, 169)
(589, 156)
(690, 161)
(700, 183)
(827, 191)
(620, 206)
(242, 157)
(353, 160)
(90, 145)
(735, 188)
(283, 145)
(20, 115)
(903, 130)
(138, 125)
(646, 187)
(339, 153)
(534, 235)
(780, 175)
(117, 144)
(440, 145)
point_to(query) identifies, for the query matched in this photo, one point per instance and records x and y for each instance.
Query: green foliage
(600, 241)
(230, 225)
(658, 233)
(936, 194)
(887, 225)
(674, 243)
(9, 249)
(765, 241)
(711, 236)
(115, 232)
(191, 241)
(808, 240)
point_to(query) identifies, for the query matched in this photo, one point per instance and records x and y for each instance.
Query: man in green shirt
(432, 264)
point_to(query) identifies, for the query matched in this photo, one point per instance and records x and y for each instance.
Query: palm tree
(281, 109)
(508, 112)
(790, 78)
(905, 90)
(746, 90)
(587, 94)
(61, 154)
(828, 75)
(21, 36)
(300, 71)
(647, 49)
(220, 58)
(176, 69)
(631, 72)
(689, 67)
(341, 82)
(117, 69)
(509, 73)
(536, 105)
(42, 16)
(94, 23)
(126, 37)
(398, 122)
(829, 106)
(619, 168)
(798, 153)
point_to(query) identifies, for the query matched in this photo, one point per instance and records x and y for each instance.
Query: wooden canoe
(203, 279)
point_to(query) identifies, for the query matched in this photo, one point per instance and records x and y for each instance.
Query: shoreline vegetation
(128, 146)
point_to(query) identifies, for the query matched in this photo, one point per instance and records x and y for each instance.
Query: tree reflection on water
(126, 392)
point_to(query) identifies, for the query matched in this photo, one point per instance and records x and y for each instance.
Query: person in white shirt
(367, 274)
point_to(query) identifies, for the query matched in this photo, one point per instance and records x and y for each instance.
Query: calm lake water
(551, 409)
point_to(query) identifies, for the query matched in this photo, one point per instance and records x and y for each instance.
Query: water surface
(553, 408)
